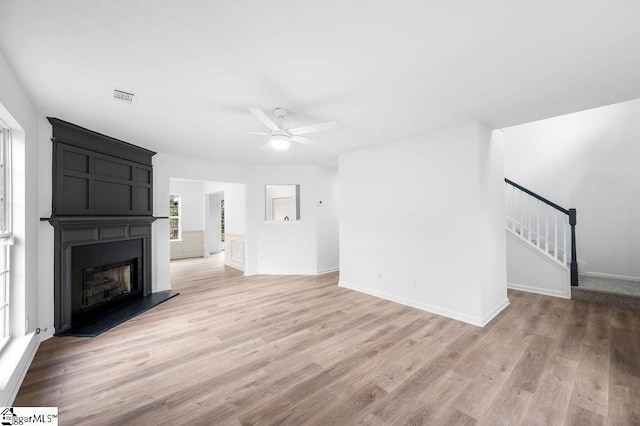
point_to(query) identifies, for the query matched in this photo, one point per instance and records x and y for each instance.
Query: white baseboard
(612, 276)
(328, 270)
(495, 311)
(469, 319)
(237, 266)
(163, 288)
(289, 272)
(545, 292)
(186, 256)
(15, 360)
(48, 334)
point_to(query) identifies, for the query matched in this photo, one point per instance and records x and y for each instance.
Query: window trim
(6, 235)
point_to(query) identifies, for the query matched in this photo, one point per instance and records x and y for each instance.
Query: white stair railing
(543, 224)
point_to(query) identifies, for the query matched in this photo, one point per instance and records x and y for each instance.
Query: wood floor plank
(625, 356)
(509, 407)
(623, 405)
(529, 369)
(408, 394)
(574, 330)
(298, 350)
(551, 399)
(591, 387)
(579, 416)
(477, 396)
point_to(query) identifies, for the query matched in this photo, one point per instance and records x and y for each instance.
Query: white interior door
(282, 208)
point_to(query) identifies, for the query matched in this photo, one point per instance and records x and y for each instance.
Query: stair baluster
(556, 249)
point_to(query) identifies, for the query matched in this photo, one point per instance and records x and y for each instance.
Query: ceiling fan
(279, 137)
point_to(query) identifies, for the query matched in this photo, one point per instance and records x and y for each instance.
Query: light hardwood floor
(300, 350)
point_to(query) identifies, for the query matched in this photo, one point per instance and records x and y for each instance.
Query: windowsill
(11, 356)
(176, 241)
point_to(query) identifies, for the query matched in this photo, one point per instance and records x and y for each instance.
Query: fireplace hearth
(102, 214)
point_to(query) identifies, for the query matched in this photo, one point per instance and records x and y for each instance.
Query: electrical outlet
(380, 274)
(414, 282)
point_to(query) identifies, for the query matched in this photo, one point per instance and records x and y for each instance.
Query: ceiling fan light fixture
(279, 142)
(280, 137)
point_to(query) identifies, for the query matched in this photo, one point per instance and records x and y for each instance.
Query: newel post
(574, 256)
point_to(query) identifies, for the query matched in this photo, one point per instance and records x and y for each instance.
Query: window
(6, 237)
(175, 228)
(222, 220)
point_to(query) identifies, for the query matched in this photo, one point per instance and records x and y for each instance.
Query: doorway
(215, 223)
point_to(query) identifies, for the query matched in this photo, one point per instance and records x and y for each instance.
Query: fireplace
(103, 276)
(102, 214)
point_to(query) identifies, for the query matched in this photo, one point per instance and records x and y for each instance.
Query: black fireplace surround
(103, 275)
(102, 214)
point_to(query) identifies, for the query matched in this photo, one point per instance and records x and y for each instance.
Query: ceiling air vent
(121, 95)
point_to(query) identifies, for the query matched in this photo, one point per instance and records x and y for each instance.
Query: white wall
(492, 221)
(588, 161)
(530, 269)
(415, 210)
(327, 208)
(288, 245)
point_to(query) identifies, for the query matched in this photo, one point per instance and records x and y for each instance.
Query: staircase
(608, 291)
(540, 229)
(543, 225)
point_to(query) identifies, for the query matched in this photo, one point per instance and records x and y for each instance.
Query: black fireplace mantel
(77, 230)
(73, 232)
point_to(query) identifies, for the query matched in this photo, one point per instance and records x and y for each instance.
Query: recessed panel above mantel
(96, 175)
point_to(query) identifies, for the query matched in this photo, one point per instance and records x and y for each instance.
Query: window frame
(178, 217)
(222, 224)
(6, 234)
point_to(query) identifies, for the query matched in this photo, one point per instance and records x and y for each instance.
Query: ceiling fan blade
(255, 133)
(304, 141)
(320, 127)
(260, 115)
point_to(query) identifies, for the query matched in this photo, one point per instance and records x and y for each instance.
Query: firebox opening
(104, 283)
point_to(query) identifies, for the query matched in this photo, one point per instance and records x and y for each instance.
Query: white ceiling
(384, 70)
